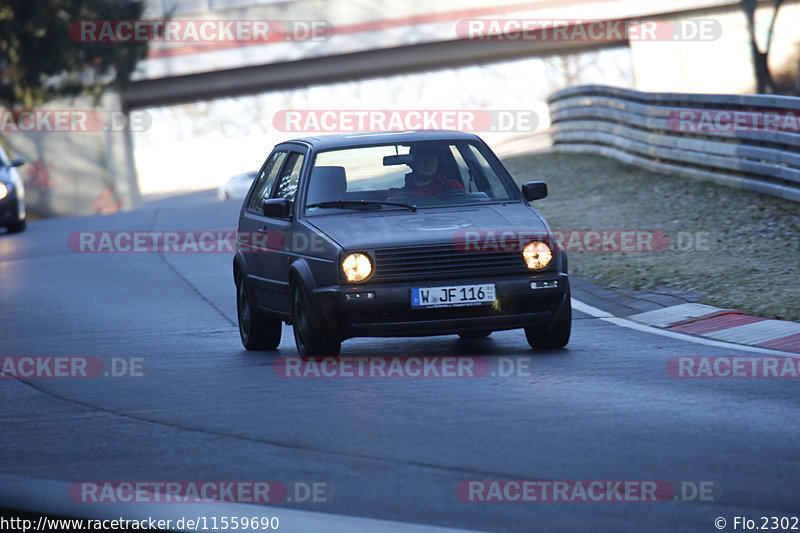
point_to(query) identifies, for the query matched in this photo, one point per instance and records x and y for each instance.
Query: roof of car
(344, 140)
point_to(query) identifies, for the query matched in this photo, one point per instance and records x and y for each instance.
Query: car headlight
(537, 255)
(357, 267)
(3, 191)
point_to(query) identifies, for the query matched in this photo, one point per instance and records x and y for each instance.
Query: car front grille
(443, 261)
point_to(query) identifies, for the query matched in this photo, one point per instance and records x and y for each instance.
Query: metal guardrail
(750, 142)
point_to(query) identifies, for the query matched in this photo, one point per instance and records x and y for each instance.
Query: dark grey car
(395, 234)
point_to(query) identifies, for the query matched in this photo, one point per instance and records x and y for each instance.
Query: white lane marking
(624, 322)
(675, 313)
(756, 332)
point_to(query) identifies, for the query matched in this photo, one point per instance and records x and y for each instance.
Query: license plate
(452, 296)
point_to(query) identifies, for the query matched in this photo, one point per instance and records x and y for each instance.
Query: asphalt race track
(393, 449)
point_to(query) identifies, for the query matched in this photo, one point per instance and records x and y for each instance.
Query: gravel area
(747, 256)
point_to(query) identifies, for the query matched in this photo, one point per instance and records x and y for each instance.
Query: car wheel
(310, 336)
(476, 334)
(16, 228)
(256, 331)
(539, 337)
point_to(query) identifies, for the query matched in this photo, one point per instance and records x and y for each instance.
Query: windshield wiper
(356, 203)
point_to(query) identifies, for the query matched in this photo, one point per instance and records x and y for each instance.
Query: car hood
(426, 226)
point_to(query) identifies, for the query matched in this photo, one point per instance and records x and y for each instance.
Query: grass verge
(749, 254)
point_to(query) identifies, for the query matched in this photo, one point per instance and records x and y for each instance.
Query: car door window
(265, 180)
(290, 175)
(487, 179)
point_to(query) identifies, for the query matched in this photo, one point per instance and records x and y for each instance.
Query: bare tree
(764, 81)
(795, 85)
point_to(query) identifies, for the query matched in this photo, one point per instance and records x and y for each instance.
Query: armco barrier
(646, 129)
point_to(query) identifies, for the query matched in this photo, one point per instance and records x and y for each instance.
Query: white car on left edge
(237, 187)
(12, 194)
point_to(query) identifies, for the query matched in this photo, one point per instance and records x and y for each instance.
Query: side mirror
(534, 190)
(17, 162)
(276, 207)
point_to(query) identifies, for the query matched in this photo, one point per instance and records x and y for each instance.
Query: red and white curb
(725, 325)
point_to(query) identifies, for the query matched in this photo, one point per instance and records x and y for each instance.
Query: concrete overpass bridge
(381, 37)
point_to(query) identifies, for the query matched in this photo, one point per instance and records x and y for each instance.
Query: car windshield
(395, 176)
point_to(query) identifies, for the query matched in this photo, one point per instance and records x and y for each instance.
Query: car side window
(463, 170)
(265, 180)
(493, 187)
(288, 181)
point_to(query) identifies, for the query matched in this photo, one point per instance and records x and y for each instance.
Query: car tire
(256, 331)
(476, 334)
(310, 336)
(16, 228)
(542, 338)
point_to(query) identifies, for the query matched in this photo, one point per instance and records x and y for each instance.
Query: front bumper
(389, 312)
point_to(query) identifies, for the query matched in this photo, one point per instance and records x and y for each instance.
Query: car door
(252, 224)
(281, 231)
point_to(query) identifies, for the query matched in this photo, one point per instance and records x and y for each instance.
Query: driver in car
(425, 178)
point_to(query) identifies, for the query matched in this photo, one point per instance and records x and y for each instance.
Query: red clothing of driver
(438, 185)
